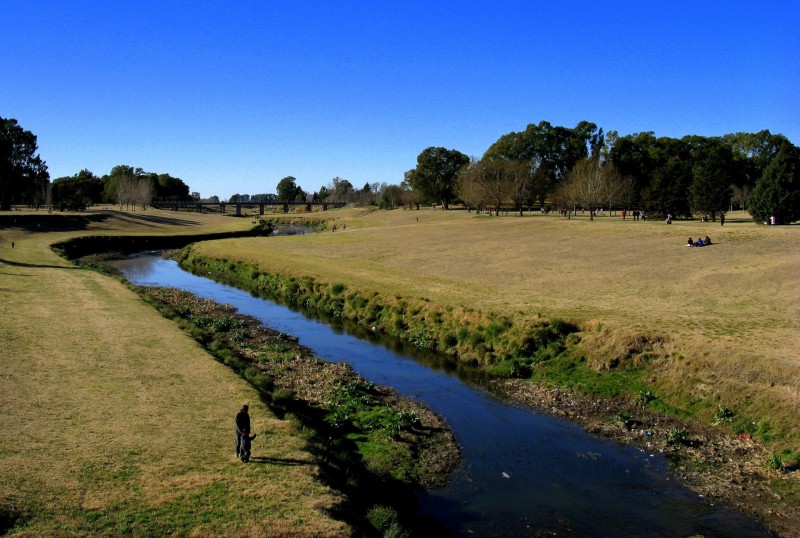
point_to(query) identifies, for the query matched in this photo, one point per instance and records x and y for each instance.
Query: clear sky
(232, 96)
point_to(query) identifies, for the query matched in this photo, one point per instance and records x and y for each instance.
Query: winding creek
(524, 473)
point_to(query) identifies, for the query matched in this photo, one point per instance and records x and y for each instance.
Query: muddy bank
(722, 467)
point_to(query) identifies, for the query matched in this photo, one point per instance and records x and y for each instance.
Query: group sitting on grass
(699, 243)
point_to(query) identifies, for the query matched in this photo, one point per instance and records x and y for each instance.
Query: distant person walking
(722, 219)
(242, 428)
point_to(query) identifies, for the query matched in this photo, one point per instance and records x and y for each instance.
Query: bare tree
(468, 185)
(144, 192)
(740, 195)
(628, 191)
(410, 195)
(613, 185)
(519, 183)
(592, 183)
(566, 197)
(495, 183)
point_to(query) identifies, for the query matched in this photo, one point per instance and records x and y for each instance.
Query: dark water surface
(524, 473)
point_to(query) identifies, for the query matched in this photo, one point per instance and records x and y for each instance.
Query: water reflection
(523, 473)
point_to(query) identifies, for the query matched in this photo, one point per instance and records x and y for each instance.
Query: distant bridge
(198, 206)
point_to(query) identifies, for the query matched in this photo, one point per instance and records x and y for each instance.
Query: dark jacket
(242, 422)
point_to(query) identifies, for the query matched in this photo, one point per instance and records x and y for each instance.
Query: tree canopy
(777, 192)
(23, 173)
(288, 190)
(435, 173)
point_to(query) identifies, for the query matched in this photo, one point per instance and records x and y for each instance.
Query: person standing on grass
(722, 219)
(242, 428)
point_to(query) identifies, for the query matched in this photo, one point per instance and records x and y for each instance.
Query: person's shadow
(279, 461)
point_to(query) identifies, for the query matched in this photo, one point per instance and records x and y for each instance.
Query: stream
(524, 473)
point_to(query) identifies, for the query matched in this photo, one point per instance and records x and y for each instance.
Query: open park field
(114, 422)
(727, 313)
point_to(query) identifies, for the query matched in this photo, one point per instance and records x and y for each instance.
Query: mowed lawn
(114, 422)
(729, 311)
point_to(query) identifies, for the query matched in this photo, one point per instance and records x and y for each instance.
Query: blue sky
(233, 96)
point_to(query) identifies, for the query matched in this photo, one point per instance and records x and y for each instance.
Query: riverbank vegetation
(377, 445)
(617, 309)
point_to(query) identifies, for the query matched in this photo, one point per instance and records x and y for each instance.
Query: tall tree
(288, 190)
(549, 151)
(668, 191)
(434, 175)
(710, 191)
(777, 193)
(341, 189)
(752, 153)
(23, 174)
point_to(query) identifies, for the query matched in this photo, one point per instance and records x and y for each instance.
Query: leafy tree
(76, 192)
(549, 151)
(323, 194)
(668, 191)
(287, 189)
(752, 153)
(166, 187)
(111, 181)
(341, 189)
(711, 177)
(23, 174)
(435, 173)
(777, 193)
(391, 197)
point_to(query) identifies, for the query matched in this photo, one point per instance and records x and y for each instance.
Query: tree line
(544, 166)
(563, 168)
(125, 185)
(25, 180)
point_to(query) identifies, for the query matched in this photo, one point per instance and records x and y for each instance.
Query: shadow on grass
(49, 222)
(34, 265)
(263, 460)
(152, 220)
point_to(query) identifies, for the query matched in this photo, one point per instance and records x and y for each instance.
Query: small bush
(775, 462)
(624, 419)
(381, 517)
(677, 436)
(644, 398)
(723, 414)
(337, 289)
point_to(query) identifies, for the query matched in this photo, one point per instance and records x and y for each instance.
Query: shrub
(644, 398)
(723, 414)
(677, 436)
(337, 289)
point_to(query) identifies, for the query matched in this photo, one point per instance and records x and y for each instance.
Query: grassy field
(114, 422)
(727, 313)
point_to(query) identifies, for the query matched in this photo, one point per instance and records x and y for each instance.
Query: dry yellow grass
(115, 422)
(729, 311)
